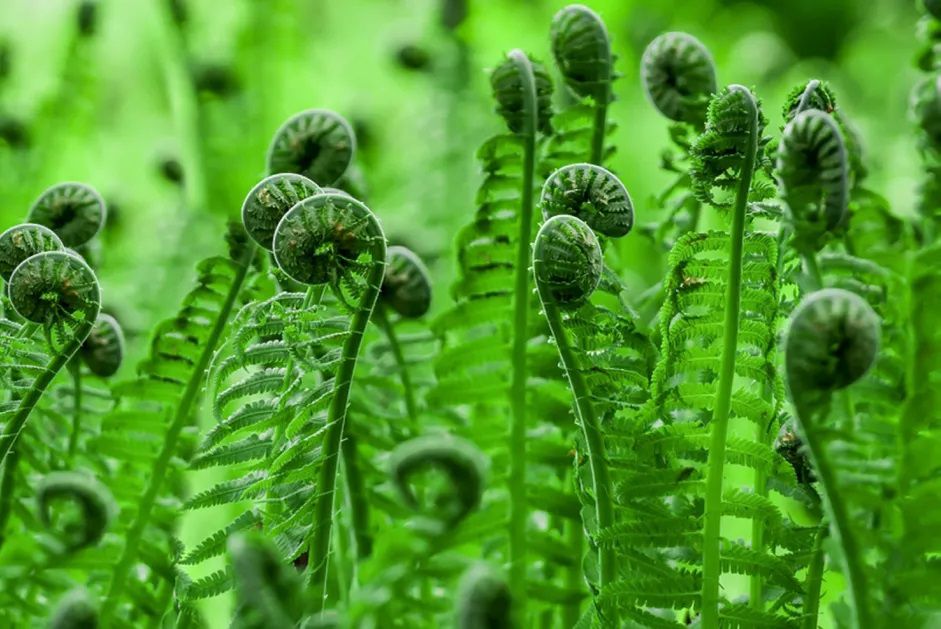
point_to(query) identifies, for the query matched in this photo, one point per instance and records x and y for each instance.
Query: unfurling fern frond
(94, 501)
(268, 202)
(74, 211)
(679, 77)
(76, 610)
(317, 143)
(483, 600)
(592, 194)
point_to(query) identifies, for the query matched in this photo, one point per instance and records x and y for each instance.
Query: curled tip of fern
(103, 349)
(328, 239)
(814, 94)
(591, 193)
(926, 107)
(813, 171)
(832, 341)
(582, 51)
(316, 143)
(267, 589)
(74, 211)
(509, 83)
(679, 77)
(268, 202)
(567, 261)
(406, 288)
(718, 154)
(462, 464)
(54, 286)
(76, 610)
(93, 500)
(483, 600)
(22, 241)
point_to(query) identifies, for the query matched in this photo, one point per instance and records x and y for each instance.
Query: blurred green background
(133, 95)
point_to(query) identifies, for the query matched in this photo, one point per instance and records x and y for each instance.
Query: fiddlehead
(76, 610)
(268, 593)
(316, 143)
(103, 350)
(483, 600)
(592, 194)
(582, 52)
(22, 241)
(812, 170)
(813, 95)
(268, 202)
(459, 461)
(679, 77)
(832, 341)
(406, 288)
(74, 211)
(510, 83)
(93, 500)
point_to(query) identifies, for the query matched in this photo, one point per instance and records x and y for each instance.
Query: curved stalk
(382, 320)
(599, 128)
(720, 417)
(170, 443)
(814, 580)
(75, 366)
(319, 553)
(518, 421)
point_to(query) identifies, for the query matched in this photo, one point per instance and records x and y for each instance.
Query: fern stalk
(318, 556)
(382, 320)
(517, 479)
(169, 449)
(720, 419)
(814, 580)
(75, 366)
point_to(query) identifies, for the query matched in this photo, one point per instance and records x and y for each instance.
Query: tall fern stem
(720, 419)
(408, 391)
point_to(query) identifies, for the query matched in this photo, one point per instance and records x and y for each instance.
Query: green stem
(75, 366)
(720, 419)
(756, 581)
(357, 497)
(840, 526)
(170, 443)
(336, 424)
(814, 581)
(382, 320)
(813, 271)
(517, 479)
(574, 577)
(594, 441)
(599, 128)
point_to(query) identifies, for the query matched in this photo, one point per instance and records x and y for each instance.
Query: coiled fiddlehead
(483, 600)
(813, 95)
(832, 341)
(679, 77)
(591, 193)
(103, 350)
(509, 82)
(267, 591)
(334, 239)
(406, 288)
(814, 176)
(22, 241)
(316, 143)
(75, 610)
(94, 501)
(718, 155)
(268, 202)
(460, 461)
(74, 211)
(567, 264)
(582, 51)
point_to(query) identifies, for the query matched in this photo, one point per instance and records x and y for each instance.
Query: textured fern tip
(76, 610)
(582, 51)
(483, 600)
(509, 87)
(316, 143)
(103, 350)
(268, 202)
(94, 501)
(74, 211)
(679, 77)
(52, 287)
(22, 241)
(567, 261)
(406, 288)
(832, 341)
(591, 193)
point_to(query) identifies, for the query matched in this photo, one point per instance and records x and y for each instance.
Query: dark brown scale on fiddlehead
(53, 288)
(76, 610)
(329, 239)
(567, 261)
(483, 600)
(582, 51)
(316, 143)
(74, 211)
(22, 241)
(679, 77)
(93, 500)
(406, 288)
(813, 172)
(103, 350)
(268, 202)
(591, 193)
(508, 91)
(460, 461)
